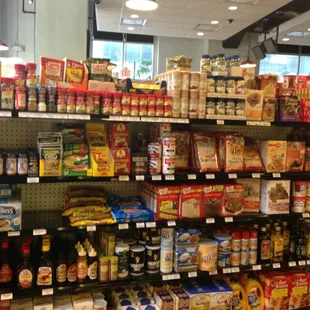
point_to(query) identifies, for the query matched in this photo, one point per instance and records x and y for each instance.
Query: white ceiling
(180, 18)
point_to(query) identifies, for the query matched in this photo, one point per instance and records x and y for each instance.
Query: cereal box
(211, 200)
(221, 296)
(299, 290)
(295, 156)
(200, 296)
(232, 200)
(190, 201)
(251, 194)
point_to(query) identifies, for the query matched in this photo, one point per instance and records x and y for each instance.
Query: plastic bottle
(45, 269)
(166, 259)
(293, 242)
(72, 266)
(235, 249)
(25, 271)
(245, 236)
(286, 240)
(92, 265)
(238, 295)
(6, 273)
(60, 268)
(82, 265)
(264, 247)
(253, 247)
(301, 245)
(254, 294)
(277, 245)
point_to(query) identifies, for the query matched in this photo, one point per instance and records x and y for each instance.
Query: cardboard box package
(232, 200)
(251, 194)
(10, 214)
(254, 105)
(211, 198)
(43, 303)
(299, 290)
(190, 201)
(21, 304)
(164, 300)
(82, 301)
(62, 302)
(295, 156)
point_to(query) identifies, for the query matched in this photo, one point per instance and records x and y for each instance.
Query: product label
(72, 273)
(278, 248)
(81, 270)
(61, 273)
(253, 300)
(25, 278)
(265, 250)
(44, 277)
(5, 274)
(236, 303)
(93, 271)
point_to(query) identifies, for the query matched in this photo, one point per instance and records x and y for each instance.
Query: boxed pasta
(190, 201)
(234, 150)
(251, 194)
(299, 290)
(295, 156)
(211, 198)
(275, 197)
(232, 200)
(273, 153)
(254, 105)
(122, 161)
(119, 135)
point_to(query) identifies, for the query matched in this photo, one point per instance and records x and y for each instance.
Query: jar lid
(205, 56)
(153, 247)
(222, 236)
(20, 88)
(236, 235)
(61, 90)
(7, 80)
(245, 235)
(19, 66)
(220, 55)
(137, 248)
(31, 65)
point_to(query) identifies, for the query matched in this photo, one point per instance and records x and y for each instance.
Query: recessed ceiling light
(308, 29)
(285, 39)
(214, 22)
(142, 5)
(131, 28)
(233, 8)
(134, 16)
(200, 34)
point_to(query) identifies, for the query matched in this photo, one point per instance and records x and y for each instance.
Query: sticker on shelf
(7, 296)
(276, 265)
(39, 232)
(47, 291)
(123, 178)
(292, 264)
(192, 177)
(258, 123)
(139, 177)
(306, 215)
(210, 176)
(140, 225)
(302, 263)
(276, 175)
(174, 276)
(32, 180)
(171, 223)
(123, 226)
(169, 177)
(114, 118)
(308, 262)
(213, 272)
(210, 220)
(85, 117)
(5, 114)
(156, 177)
(232, 176)
(150, 224)
(91, 228)
(257, 267)
(229, 219)
(226, 270)
(192, 274)
(235, 269)
(256, 175)
(14, 233)
(220, 122)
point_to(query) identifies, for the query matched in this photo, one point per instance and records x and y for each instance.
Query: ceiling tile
(183, 26)
(124, 29)
(201, 4)
(195, 13)
(159, 17)
(176, 32)
(168, 10)
(154, 23)
(188, 19)
(108, 12)
(153, 30)
(277, 3)
(110, 4)
(172, 3)
(241, 7)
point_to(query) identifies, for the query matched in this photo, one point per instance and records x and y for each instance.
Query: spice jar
(106, 106)
(19, 76)
(22, 164)
(7, 94)
(116, 105)
(51, 99)
(70, 101)
(134, 105)
(61, 102)
(31, 78)
(33, 166)
(20, 98)
(125, 104)
(142, 104)
(90, 102)
(96, 102)
(32, 105)
(10, 163)
(42, 98)
(80, 102)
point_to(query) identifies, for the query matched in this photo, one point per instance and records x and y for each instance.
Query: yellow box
(102, 162)
(46, 172)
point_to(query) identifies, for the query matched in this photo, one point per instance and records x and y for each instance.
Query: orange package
(52, 71)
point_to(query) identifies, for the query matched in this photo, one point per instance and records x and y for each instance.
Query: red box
(190, 201)
(211, 198)
(233, 200)
(119, 135)
(122, 161)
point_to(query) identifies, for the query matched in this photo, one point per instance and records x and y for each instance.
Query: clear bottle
(264, 246)
(45, 268)
(277, 245)
(301, 245)
(286, 240)
(293, 242)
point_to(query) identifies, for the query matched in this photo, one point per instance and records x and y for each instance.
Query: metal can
(154, 150)
(152, 259)
(168, 165)
(122, 252)
(299, 204)
(136, 260)
(300, 189)
(169, 146)
(103, 268)
(154, 165)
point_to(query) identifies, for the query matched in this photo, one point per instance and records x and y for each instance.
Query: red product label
(5, 274)
(25, 278)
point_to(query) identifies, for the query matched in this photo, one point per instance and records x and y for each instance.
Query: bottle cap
(263, 229)
(236, 235)
(253, 234)
(92, 253)
(45, 247)
(245, 235)
(82, 252)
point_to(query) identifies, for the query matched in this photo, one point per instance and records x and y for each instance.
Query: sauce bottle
(253, 247)
(92, 265)
(60, 268)
(45, 269)
(72, 266)
(286, 240)
(82, 265)
(6, 273)
(277, 245)
(301, 245)
(264, 246)
(25, 271)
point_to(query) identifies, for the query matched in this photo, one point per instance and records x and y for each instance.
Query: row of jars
(218, 63)
(226, 85)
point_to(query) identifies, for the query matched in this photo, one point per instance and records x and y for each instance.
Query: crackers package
(295, 156)
(251, 194)
(234, 150)
(190, 201)
(254, 105)
(232, 200)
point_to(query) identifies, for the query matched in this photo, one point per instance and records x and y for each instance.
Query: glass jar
(230, 107)
(116, 105)
(90, 102)
(70, 101)
(33, 166)
(134, 104)
(1, 163)
(240, 86)
(31, 78)
(51, 99)
(42, 98)
(19, 76)
(96, 102)
(80, 102)
(220, 86)
(213, 63)
(32, 104)
(22, 163)
(106, 106)
(230, 85)
(240, 107)
(61, 100)
(10, 164)
(227, 63)
(205, 64)
(211, 84)
(210, 109)
(220, 63)
(142, 104)
(125, 104)
(220, 107)
(7, 94)
(20, 98)
(235, 61)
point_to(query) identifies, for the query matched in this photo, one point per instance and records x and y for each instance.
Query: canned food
(185, 81)
(224, 243)
(299, 204)
(168, 165)
(151, 110)
(207, 252)
(136, 260)
(154, 150)
(169, 146)
(176, 78)
(300, 188)
(151, 101)
(103, 269)
(153, 236)
(122, 251)
(142, 110)
(154, 165)
(134, 110)
(152, 259)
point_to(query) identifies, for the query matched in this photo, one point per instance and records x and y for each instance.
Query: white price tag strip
(276, 175)
(14, 233)
(85, 117)
(292, 264)
(140, 225)
(220, 122)
(7, 296)
(171, 223)
(308, 262)
(213, 272)
(306, 215)
(47, 291)
(256, 175)
(302, 263)
(257, 267)
(174, 276)
(192, 177)
(39, 232)
(123, 178)
(32, 180)
(139, 177)
(156, 177)
(210, 176)
(210, 220)
(169, 177)
(232, 176)
(91, 228)
(5, 114)
(150, 224)
(229, 219)
(276, 265)
(192, 274)
(226, 270)
(235, 269)
(123, 226)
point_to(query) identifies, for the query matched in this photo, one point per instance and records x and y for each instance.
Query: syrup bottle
(25, 271)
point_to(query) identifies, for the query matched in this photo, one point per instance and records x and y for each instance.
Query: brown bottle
(25, 271)
(45, 269)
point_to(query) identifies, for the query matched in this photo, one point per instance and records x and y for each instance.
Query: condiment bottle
(293, 242)
(245, 248)
(92, 265)
(235, 249)
(60, 267)
(61, 103)
(31, 78)
(301, 245)
(45, 269)
(72, 265)
(286, 240)
(25, 271)
(277, 245)
(6, 273)
(82, 265)
(19, 75)
(253, 247)
(264, 246)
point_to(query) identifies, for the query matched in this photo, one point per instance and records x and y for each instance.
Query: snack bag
(52, 70)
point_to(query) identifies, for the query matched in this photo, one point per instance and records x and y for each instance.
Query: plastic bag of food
(252, 160)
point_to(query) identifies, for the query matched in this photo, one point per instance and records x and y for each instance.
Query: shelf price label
(192, 177)
(292, 264)
(308, 262)
(123, 226)
(123, 178)
(156, 177)
(302, 263)
(232, 176)
(306, 215)
(5, 114)
(235, 269)
(7, 296)
(213, 272)
(32, 180)
(91, 228)
(210, 176)
(276, 265)
(169, 177)
(256, 175)
(174, 276)
(47, 291)
(226, 270)
(14, 233)
(257, 267)
(39, 232)
(192, 274)
(220, 122)
(150, 224)
(229, 219)
(140, 225)
(139, 177)
(171, 223)
(210, 220)
(276, 175)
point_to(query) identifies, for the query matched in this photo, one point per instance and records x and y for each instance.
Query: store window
(304, 67)
(137, 57)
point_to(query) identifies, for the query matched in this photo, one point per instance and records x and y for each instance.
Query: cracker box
(251, 194)
(180, 299)
(5, 305)
(275, 197)
(10, 214)
(102, 162)
(254, 105)
(82, 301)
(299, 290)
(295, 156)
(43, 303)
(164, 300)
(200, 295)
(232, 200)
(273, 154)
(190, 201)
(122, 161)
(62, 302)
(221, 296)
(119, 135)
(21, 304)
(211, 198)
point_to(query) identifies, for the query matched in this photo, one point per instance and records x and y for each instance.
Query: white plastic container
(166, 259)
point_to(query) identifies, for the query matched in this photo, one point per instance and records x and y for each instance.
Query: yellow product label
(282, 292)
(299, 290)
(278, 248)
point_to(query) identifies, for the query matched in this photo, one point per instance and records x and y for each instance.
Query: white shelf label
(229, 219)
(5, 114)
(32, 180)
(171, 223)
(47, 291)
(140, 225)
(235, 269)
(213, 272)
(210, 176)
(123, 226)
(192, 274)
(308, 262)
(14, 233)
(150, 224)
(39, 232)
(232, 176)
(306, 215)
(169, 177)
(276, 175)
(276, 265)
(123, 178)
(256, 175)
(302, 263)
(85, 117)
(139, 177)
(226, 270)
(292, 264)
(257, 123)
(91, 228)
(220, 122)
(192, 177)
(174, 276)
(257, 267)
(210, 220)
(7, 296)
(156, 177)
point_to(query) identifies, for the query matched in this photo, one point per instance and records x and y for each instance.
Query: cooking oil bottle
(286, 240)
(277, 245)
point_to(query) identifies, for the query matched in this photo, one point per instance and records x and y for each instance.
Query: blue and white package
(10, 214)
